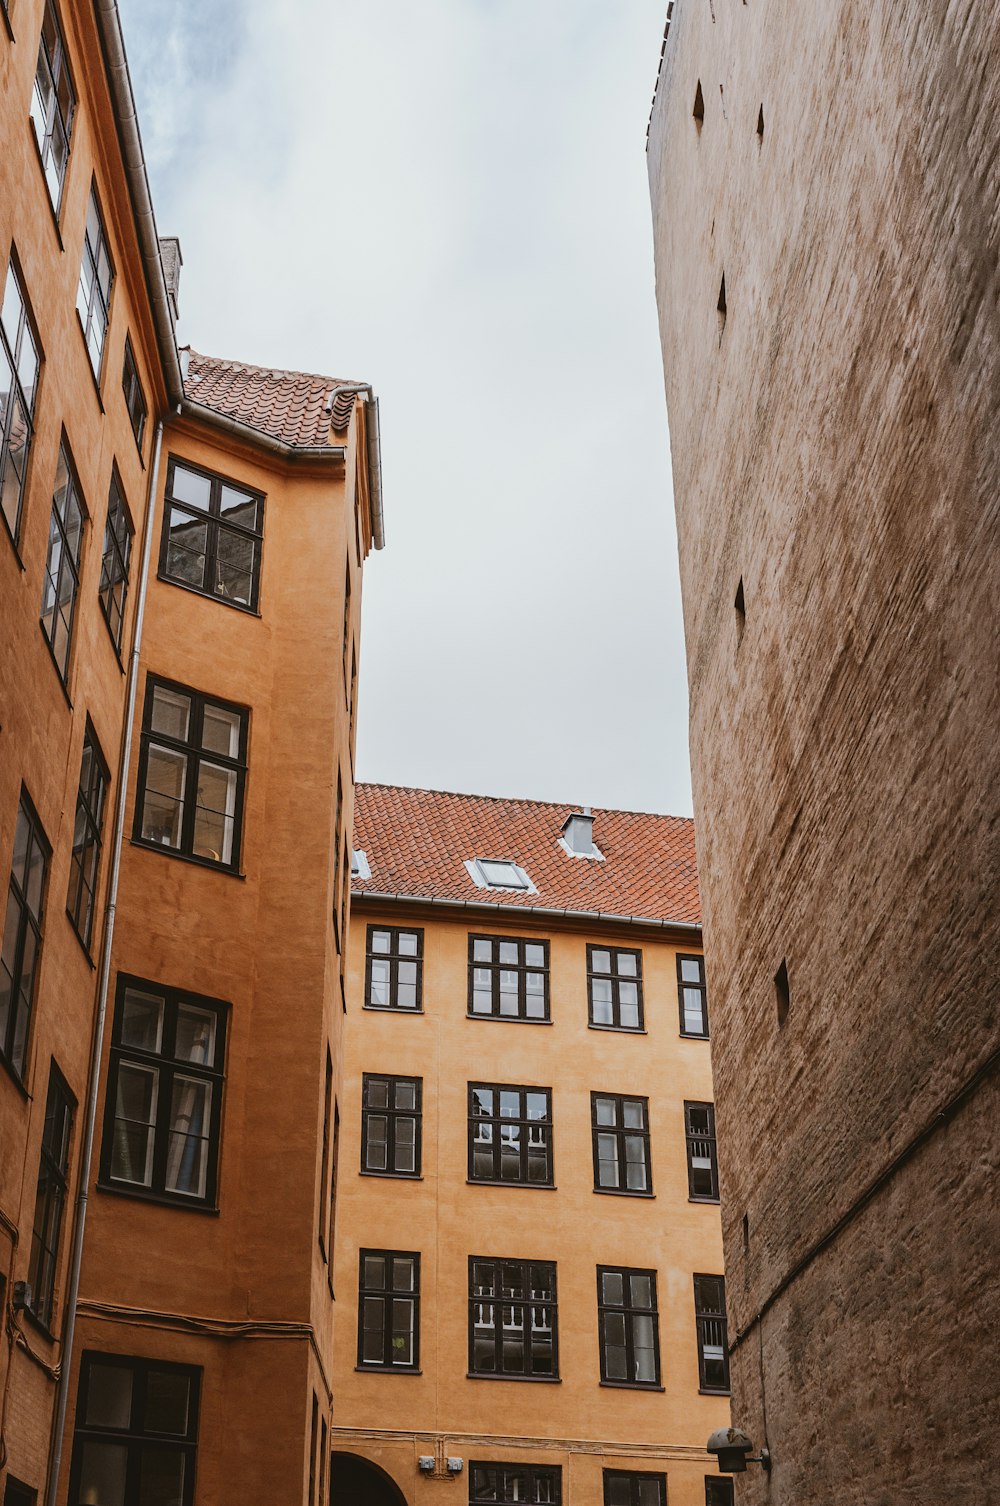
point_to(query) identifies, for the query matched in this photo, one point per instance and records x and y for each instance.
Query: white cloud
(449, 199)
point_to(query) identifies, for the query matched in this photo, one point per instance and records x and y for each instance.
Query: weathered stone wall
(836, 447)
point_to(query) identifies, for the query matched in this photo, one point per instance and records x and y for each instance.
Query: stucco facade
(194, 1360)
(833, 422)
(573, 1421)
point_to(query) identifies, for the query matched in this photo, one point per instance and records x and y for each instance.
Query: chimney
(171, 260)
(578, 833)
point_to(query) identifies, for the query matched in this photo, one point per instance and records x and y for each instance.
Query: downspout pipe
(123, 101)
(365, 390)
(103, 983)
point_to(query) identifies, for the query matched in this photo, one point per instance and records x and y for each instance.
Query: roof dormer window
(360, 867)
(498, 873)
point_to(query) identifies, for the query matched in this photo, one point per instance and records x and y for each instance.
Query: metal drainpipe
(104, 976)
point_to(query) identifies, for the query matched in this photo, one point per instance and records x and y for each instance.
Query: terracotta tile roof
(294, 407)
(417, 841)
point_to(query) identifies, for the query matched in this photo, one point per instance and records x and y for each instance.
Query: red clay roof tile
(417, 842)
(291, 406)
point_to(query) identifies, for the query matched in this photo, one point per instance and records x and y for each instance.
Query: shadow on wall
(357, 1482)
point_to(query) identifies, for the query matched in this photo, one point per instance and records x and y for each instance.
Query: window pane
(406, 1095)
(161, 1477)
(171, 713)
(691, 970)
(402, 1331)
(189, 486)
(644, 1340)
(215, 813)
(607, 1160)
(408, 943)
(635, 1163)
(625, 965)
(109, 1396)
(613, 1288)
(187, 1143)
(600, 996)
(163, 809)
(377, 1092)
(102, 1473)
(402, 1274)
(534, 955)
(374, 1271)
(641, 1290)
(373, 1332)
(536, 1105)
(187, 545)
(239, 506)
(601, 962)
(135, 1117)
(606, 1111)
(380, 981)
(236, 557)
(142, 1021)
(381, 941)
(508, 952)
(377, 1153)
(405, 1145)
(221, 732)
(167, 1399)
(633, 1113)
(649, 1493)
(619, 1490)
(196, 1035)
(482, 951)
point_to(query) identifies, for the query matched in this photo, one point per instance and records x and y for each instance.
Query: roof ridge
(609, 810)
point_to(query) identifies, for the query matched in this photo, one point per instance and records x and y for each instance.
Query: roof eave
(545, 912)
(334, 453)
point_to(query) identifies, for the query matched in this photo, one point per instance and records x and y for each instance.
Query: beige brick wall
(835, 446)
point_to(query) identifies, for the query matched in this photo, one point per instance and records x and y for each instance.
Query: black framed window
(390, 1125)
(510, 1134)
(508, 978)
(50, 1196)
(703, 1164)
(21, 950)
(635, 1488)
(163, 1111)
(393, 967)
(513, 1331)
(87, 829)
(135, 401)
(118, 532)
(692, 995)
(629, 1326)
(614, 988)
(93, 296)
(539, 1484)
(61, 580)
(212, 535)
(53, 101)
(713, 1333)
(619, 1127)
(718, 1491)
(192, 774)
(16, 1493)
(389, 1310)
(136, 1437)
(19, 365)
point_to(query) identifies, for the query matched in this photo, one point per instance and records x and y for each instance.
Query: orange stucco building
(181, 548)
(528, 1255)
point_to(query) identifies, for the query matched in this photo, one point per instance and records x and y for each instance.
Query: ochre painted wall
(577, 1423)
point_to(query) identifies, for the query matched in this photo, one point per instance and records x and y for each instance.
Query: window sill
(713, 1202)
(507, 1019)
(387, 1370)
(183, 585)
(616, 1385)
(624, 1192)
(619, 1029)
(147, 1195)
(393, 1176)
(713, 1391)
(86, 352)
(53, 210)
(186, 857)
(692, 1035)
(38, 1324)
(83, 945)
(516, 1186)
(531, 1380)
(390, 1009)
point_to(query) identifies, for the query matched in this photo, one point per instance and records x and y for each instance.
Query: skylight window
(498, 873)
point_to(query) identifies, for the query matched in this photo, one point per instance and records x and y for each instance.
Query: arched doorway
(358, 1482)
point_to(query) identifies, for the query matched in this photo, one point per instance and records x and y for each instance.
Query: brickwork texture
(836, 454)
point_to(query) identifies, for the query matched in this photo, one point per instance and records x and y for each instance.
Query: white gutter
(104, 978)
(597, 917)
(257, 437)
(374, 455)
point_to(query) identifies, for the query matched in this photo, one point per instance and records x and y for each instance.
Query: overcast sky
(448, 199)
